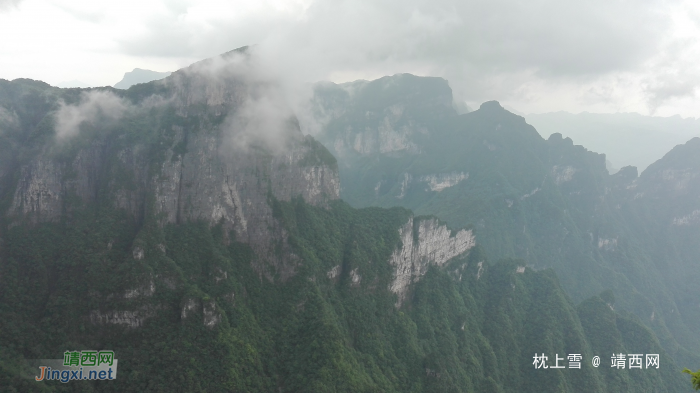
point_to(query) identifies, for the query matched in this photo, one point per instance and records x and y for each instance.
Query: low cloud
(93, 106)
(257, 102)
(475, 45)
(98, 106)
(537, 56)
(265, 120)
(6, 5)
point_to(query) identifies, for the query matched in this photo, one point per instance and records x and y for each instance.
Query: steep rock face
(206, 184)
(440, 181)
(424, 243)
(675, 176)
(44, 184)
(387, 126)
(39, 191)
(183, 159)
(550, 202)
(386, 137)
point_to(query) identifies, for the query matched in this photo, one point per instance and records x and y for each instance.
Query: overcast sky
(535, 56)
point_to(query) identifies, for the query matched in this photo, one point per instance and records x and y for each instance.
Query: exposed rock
(145, 291)
(200, 176)
(440, 181)
(230, 297)
(433, 245)
(531, 193)
(220, 275)
(404, 185)
(563, 174)
(211, 316)
(191, 305)
(39, 191)
(132, 319)
(138, 253)
(689, 219)
(607, 244)
(480, 270)
(355, 278)
(333, 273)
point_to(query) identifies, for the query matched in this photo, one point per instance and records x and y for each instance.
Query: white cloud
(6, 5)
(536, 56)
(93, 106)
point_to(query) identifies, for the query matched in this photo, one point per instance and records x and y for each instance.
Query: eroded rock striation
(424, 243)
(195, 148)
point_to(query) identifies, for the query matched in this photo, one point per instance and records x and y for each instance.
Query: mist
(602, 56)
(7, 119)
(98, 105)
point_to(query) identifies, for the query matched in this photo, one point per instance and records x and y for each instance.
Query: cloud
(93, 106)
(536, 55)
(256, 102)
(502, 49)
(6, 5)
(552, 37)
(202, 29)
(264, 120)
(676, 75)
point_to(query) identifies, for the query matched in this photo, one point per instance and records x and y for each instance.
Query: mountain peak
(491, 106)
(139, 75)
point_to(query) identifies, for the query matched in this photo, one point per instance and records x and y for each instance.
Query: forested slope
(550, 202)
(130, 225)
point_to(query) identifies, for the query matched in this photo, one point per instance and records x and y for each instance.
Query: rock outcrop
(424, 243)
(199, 158)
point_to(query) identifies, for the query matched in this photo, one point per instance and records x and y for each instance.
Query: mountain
(550, 202)
(199, 234)
(627, 139)
(139, 75)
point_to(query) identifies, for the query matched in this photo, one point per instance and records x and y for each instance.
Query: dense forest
(246, 272)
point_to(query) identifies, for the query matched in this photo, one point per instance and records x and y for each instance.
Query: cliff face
(181, 159)
(144, 220)
(424, 243)
(550, 202)
(386, 126)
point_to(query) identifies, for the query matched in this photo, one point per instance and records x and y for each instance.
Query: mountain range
(627, 139)
(402, 247)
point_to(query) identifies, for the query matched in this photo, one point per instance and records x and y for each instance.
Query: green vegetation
(189, 306)
(695, 378)
(549, 202)
(462, 330)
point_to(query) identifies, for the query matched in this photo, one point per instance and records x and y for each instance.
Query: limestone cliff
(424, 243)
(178, 150)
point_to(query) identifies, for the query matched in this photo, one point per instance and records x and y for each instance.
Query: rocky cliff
(177, 150)
(550, 202)
(189, 226)
(424, 242)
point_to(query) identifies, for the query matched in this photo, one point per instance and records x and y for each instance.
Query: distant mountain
(139, 75)
(399, 142)
(133, 229)
(148, 227)
(625, 138)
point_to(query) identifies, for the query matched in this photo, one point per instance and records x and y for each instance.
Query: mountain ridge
(125, 226)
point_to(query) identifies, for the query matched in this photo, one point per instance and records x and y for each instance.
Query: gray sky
(534, 56)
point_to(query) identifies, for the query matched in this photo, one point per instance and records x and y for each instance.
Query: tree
(695, 378)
